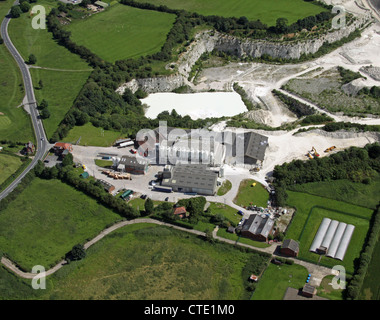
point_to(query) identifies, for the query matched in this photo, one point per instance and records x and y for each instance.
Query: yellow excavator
(316, 154)
(330, 149)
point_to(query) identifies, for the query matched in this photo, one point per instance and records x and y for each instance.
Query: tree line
(355, 164)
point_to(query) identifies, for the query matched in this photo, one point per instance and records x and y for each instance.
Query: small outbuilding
(309, 291)
(180, 212)
(290, 248)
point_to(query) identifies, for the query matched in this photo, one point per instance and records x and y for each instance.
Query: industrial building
(245, 148)
(132, 164)
(332, 238)
(197, 179)
(196, 151)
(257, 227)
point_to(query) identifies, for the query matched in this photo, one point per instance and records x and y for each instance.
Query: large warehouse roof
(334, 236)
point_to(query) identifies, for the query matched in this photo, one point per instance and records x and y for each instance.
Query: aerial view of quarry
(191, 156)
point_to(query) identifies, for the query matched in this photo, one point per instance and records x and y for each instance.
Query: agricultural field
(267, 11)
(249, 194)
(310, 212)
(123, 265)
(371, 284)
(92, 136)
(326, 91)
(364, 195)
(15, 123)
(46, 220)
(60, 88)
(122, 32)
(276, 279)
(40, 42)
(8, 166)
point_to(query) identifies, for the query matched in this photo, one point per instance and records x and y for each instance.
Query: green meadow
(15, 123)
(267, 11)
(46, 220)
(310, 212)
(122, 32)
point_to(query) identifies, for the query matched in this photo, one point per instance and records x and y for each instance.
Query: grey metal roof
(255, 145)
(336, 240)
(132, 161)
(258, 225)
(344, 242)
(192, 176)
(291, 244)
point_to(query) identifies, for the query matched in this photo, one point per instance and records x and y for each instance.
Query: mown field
(46, 220)
(310, 212)
(276, 279)
(122, 32)
(15, 123)
(267, 11)
(92, 136)
(248, 194)
(365, 195)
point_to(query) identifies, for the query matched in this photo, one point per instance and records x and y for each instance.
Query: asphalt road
(42, 144)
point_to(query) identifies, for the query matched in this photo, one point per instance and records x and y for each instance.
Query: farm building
(332, 238)
(107, 186)
(290, 248)
(192, 179)
(133, 164)
(257, 227)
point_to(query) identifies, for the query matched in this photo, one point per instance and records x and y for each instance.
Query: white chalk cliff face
(207, 41)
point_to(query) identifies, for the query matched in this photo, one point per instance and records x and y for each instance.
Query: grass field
(267, 11)
(327, 291)
(92, 136)
(60, 88)
(41, 43)
(276, 279)
(122, 32)
(15, 124)
(344, 190)
(310, 212)
(371, 284)
(46, 220)
(145, 262)
(8, 165)
(247, 194)
(224, 188)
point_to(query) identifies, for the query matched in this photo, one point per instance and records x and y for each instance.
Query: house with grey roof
(257, 227)
(192, 178)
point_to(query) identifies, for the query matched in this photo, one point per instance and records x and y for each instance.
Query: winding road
(29, 104)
